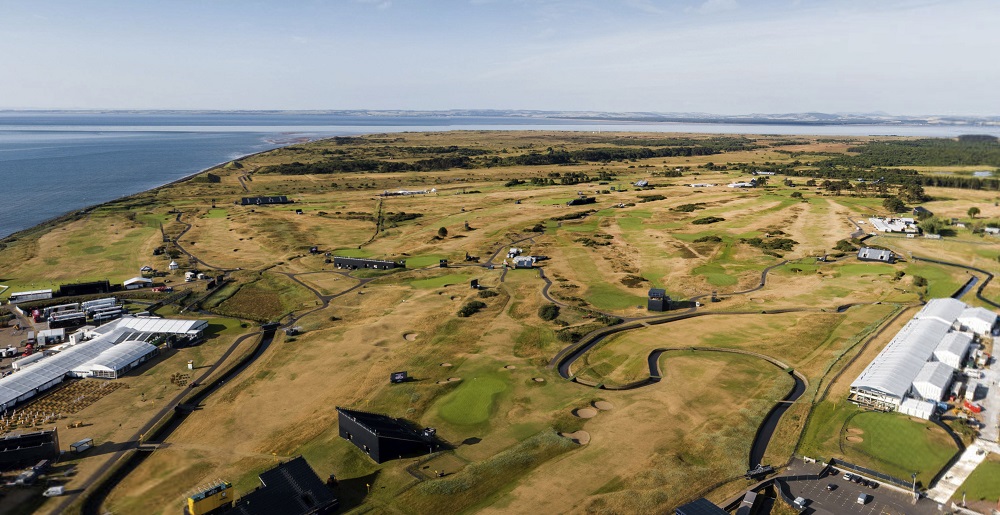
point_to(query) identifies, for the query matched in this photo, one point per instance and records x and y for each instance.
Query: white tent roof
(934, 373)
(946, 310)
(955, 343)
(49, 369)
(119, 356)
(138, 280)
(895, 368)
(923, 409)
(977, 314)
(162, 325)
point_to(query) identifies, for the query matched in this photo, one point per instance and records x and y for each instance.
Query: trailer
(28, 296)
(91, 305)
(82, 445)
(52, 310)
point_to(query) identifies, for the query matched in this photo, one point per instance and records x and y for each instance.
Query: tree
(548, 312)
(894, 205)
(973, 211)
(932, 225)
(442, 233)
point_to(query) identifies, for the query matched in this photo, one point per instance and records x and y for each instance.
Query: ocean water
(55, 163)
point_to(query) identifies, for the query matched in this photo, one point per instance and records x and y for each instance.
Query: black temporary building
(384, 438)
(700, 506)
(291, 488)
(25, 449)
(658, 300)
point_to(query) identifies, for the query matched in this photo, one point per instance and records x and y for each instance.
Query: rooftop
(894, 369)
(383, 425)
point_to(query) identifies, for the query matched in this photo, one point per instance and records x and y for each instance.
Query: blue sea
(55, 163)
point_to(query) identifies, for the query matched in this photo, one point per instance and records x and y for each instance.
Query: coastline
(14, 236)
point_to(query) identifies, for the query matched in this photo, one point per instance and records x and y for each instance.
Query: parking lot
(844, 497)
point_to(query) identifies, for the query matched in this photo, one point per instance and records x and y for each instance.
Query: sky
(669, 56)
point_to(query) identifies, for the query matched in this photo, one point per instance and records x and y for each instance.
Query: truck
(975, 408)
(54, 491)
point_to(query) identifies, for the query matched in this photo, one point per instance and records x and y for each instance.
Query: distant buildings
(752, 183)
(902, 225)
(880, 255)
(399, 193)
(290, 488)
(265, 201)
(360, 263)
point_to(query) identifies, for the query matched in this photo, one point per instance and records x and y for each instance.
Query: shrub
(919, 281)
(796, 194)
(651, 198)
(471, 308)
(708, 239)
(485, 294)
(708, 220)
(687, 208)
(548, 312)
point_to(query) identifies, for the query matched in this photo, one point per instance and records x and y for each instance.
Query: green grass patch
(983, 484)
(898, 445)
(216, 213)
(439, 282)
(482, 482)
(715, 274)
(473, 401)
(422, 261)
(353, 252)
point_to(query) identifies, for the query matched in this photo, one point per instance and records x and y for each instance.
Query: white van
(863, 498)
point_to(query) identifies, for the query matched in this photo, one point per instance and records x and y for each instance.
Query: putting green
(472, 402)
(438, 282)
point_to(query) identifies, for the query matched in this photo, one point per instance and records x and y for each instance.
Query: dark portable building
(265, 201)
(384, 438)
(21, 450)
(658, 300)
(72, 290)
(700, 506)
(358, 263)
(291, 488)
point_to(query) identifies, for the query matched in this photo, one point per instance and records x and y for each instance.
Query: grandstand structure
(105, 352)
(913, 372)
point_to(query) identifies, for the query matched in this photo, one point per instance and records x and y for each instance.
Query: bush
(708, 220)
(485, 294)
(548, 312)
(919, 281)
(651, 198)
(796, 194)
(687, 208)
(471, 308)
(708, 239)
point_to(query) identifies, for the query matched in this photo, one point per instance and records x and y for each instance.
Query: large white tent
(978, 320)
(117, 360)
(953, 349)
(916, 408)
(946, 310)
(933, 380)
(887, 379)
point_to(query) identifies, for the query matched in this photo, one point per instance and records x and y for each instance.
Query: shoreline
(14, 236)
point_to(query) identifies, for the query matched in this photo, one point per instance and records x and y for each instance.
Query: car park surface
(843, 498)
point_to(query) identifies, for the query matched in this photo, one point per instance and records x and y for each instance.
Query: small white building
(953, 349)
(137, 282)
(50, 336)
(173, 265)
(524, 262)
(933, 381)
(978, 320)
(917, 408)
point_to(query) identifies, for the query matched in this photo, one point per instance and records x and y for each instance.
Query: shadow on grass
(352, 492)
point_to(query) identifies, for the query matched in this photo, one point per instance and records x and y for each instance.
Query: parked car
(848, 476)
(863, 498)
(831, 487)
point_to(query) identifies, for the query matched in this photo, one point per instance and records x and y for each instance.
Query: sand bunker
(410, 337)
(449, 380)
(509, 367)
(603, 405)
(855, 431)
(455, 297)
(855, 439)
(538, 379)
(585, 412)
(445, 364)
(580, 437)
